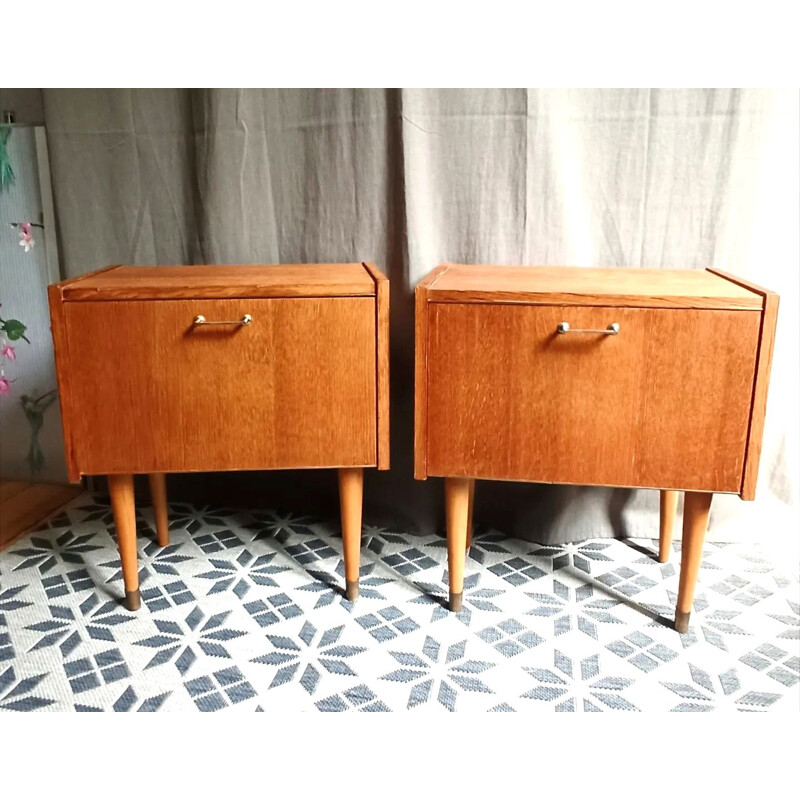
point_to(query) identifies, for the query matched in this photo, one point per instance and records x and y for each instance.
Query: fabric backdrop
(31, 441)
(410, 178)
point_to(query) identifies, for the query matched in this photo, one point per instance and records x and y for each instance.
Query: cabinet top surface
(595, 286)
(209, 281)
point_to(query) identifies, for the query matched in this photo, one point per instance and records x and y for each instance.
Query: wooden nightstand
(212, 368)
(612, 377)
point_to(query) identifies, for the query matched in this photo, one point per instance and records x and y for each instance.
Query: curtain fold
(412, 177)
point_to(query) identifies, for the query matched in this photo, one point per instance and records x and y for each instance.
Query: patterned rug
(244, 610)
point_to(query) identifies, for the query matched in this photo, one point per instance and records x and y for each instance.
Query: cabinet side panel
(58, 328)
(759, 407)
(382, 361)
(421, 370)
(420, 383)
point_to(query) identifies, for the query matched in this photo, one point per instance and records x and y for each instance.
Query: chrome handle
(245, 320)
(611, 330)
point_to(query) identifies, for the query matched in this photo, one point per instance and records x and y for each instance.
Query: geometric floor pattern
(244, 611)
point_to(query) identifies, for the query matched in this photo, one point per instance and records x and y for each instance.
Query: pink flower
(25, 236)
(8, 352)
(5, 386)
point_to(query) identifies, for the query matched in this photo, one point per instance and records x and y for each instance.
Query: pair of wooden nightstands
(619, 377)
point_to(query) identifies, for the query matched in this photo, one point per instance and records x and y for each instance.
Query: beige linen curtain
(412, 177)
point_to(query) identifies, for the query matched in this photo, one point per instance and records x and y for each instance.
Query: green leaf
(14, 329)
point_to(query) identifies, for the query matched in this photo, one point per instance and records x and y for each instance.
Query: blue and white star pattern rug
(245, 611)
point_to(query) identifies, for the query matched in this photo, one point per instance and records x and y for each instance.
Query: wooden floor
(24, 505)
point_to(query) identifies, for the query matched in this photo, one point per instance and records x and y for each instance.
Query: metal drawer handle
(245, 320)
(611, 330)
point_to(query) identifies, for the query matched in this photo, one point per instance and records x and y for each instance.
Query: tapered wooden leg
(158, 495)
(457, 507)
(669, 503)
(469, 513)
(122, 504)
(696, 506)
(351, 492)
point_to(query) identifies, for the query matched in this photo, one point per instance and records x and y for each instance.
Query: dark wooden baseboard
(23, 506)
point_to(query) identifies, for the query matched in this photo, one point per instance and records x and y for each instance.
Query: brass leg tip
(133, 600)
(351, 590)
(456, 600)
(682, 621)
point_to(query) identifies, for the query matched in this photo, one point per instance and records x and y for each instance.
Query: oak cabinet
(612, 377)
(214, 368)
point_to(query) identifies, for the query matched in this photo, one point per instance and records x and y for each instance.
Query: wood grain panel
(86, 275)
(64, 379)
(220, 281)
(697, 374)
(10, 488)
(420, 384)
(24, 505)
(155, 393)
(769, 322)
(421, 370)
(664, 404)
(643, 288)
(741, 282)
(766, 345)
(382, 356)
